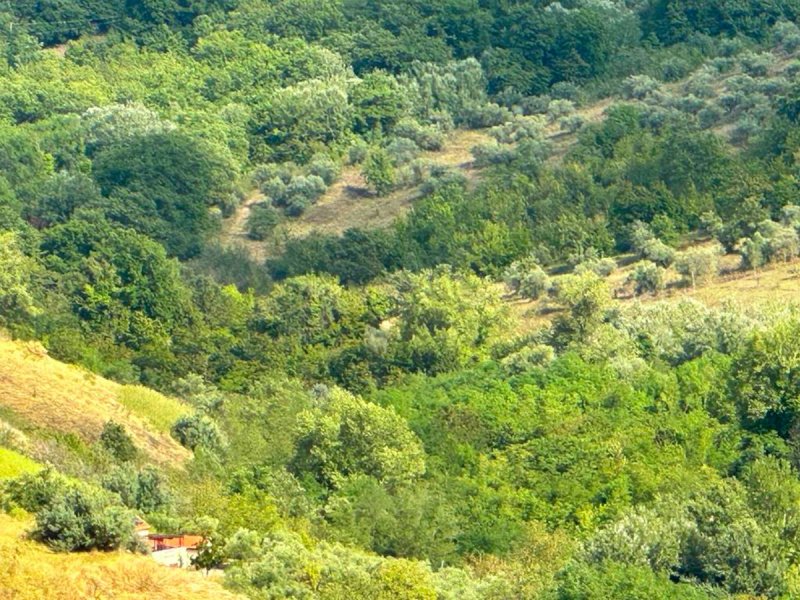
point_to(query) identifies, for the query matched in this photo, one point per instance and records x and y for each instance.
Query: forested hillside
(403, 300)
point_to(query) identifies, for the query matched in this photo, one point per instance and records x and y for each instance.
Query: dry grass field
(45, 393)
(775, 285)
(29, 571)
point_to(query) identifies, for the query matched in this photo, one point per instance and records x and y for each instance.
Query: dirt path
(234, 229)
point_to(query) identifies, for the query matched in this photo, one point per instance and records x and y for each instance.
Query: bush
(492, 154)
(402, 151)
(756, 65)
(144, 490)
(427, 137)
(324, 167)
(261, 222)
(357, 152)
(558, 109)
(527, 279)
(647, 278)
(198, 431)
(71, 516)
(518, 129)
(116, 440)
(639, 87)
(487, 115)
(599, 266)
(84, 519)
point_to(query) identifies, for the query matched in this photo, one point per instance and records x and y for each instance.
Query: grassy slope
(13, 464)
(349, 203)
(776, 284)
(44, 393)
(29, 571)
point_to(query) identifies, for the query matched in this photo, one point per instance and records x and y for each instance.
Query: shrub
(698, 264)
(558, 109)
(402, 151)
(427, 137)
(756, 65)
(81, 519)
(599, 266)
(324, 167)
(638, 87)
(492, 154)
(518, 129)
(487, 115)
(357, 152)
(527, 279)
(647, 278)
(116, 440)
(198, 431)
(261, 222)
(72, 516)
(571, 124)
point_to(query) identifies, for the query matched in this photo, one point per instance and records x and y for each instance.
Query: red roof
(163, 541)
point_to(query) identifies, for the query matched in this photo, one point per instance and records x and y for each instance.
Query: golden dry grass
(776, 284)
(29, 571)
(55, 396)
(349, 203)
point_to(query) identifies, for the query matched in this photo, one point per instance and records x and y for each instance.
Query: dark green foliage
(143, 490)
(72, 516)
(163, 186)
(261, 222)
(116, 440)
(379, 171)
(82, 519)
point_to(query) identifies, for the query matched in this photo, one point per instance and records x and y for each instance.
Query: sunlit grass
(13, 464)
(158, 410)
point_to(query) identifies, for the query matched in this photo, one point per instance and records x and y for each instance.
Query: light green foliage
(647, 278)
(767, 376)
(347, 436)
(753, 251)
(16, 272)
(198, 431)
(445, 319)
(117, 123)
(14, 464)
(527, 279)
(584, 298)
(698, 264)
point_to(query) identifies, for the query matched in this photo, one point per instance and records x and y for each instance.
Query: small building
(174, 550)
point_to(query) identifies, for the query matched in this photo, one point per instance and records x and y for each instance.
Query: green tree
(584, 299)
(349, 436)
(647, 278)
(378, 171)
(16, 281)
(197, 431)
(698, 263)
